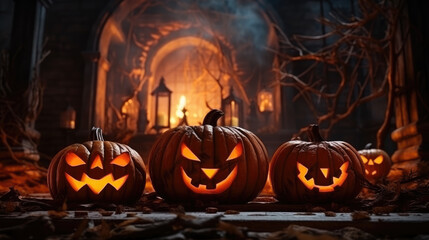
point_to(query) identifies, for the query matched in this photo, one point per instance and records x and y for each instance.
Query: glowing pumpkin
(377, 163)
(97, 171)
(316, 171)
(208, 163)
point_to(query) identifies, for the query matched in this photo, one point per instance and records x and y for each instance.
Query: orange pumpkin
(97, 171)
(377, 163)
(208, 163)
(316, 171)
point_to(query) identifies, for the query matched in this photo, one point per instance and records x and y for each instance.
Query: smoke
(243, 20)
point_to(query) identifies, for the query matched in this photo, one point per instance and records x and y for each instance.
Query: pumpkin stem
(314, 134)
(212, 117)
(368, 146)
(96, 134)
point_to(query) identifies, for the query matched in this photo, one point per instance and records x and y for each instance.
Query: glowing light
(236, 152)
(265, 101)
(378, 160)
(187, 153)
(330, 188)
(96, 185)
(180, 106)
(97, 163)
(325, 172)
(364, 159)
(121, 160)
(210, 172)
(73, 160)
(128, 107)
(202, 189)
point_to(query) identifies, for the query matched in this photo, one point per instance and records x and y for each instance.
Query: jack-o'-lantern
(208, 163)
(316, 171)
(97, 171)
(377, 163)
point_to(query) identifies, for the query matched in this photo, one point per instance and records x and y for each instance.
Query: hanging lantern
(162, 106)
(232, 106)
(265, 101)
(68, 118)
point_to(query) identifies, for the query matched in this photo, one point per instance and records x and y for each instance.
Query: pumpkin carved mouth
(202, 189)
(310, 184)
(96, 185)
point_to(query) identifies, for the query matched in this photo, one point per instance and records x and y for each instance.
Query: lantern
(316, 171)
(68, 118)
(265, 103)
(208, 163)
(162, 105)
(97, 171)
(233, 108)
(376, 161)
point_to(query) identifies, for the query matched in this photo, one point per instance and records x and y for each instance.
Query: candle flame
(180, 106)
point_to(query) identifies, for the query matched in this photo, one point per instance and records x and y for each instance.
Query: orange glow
(236, 152)
(364, 159)
(73, 160)
(210, 172)
(180, 106)
(96, 185)
(187, 153)
(265, 101)
(202, 189)
(97, 163)
(325, 172)
(330, 188)
(121, 160)
(379, 159)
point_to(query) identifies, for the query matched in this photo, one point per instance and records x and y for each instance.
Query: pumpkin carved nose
(210, 172)
(325, 172)
(97, 163)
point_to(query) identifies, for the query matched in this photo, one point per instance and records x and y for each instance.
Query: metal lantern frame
(229, 107)
(161, 91)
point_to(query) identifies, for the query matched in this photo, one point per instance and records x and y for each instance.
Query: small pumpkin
(208, 163)
(316, 171)
(377, 163)
(97, 171)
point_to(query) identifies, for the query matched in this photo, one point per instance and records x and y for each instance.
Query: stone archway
(215, 45)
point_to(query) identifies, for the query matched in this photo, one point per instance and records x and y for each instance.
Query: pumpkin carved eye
(236, 152)
(378, 160)
(73, 160)
(187, 153)
(121, 160)
(364, 159)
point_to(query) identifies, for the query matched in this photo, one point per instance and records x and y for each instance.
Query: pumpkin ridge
(351, 170)
(236, 184)
(299, 191)
(254, 142)
(176, 173)
(169, 162)
(279, 161)
(348, 152)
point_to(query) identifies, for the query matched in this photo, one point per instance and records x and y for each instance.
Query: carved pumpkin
(316, 171)
(377, 163)
(208, 163)
(97, 171)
